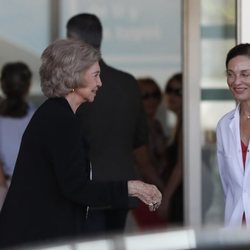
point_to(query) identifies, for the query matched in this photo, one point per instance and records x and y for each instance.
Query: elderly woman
(233, 140)
(51, 188)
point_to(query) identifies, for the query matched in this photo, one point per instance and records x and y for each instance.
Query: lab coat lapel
(235, 130)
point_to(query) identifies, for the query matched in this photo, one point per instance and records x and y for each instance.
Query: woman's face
(91, 81)
(174, 96)
(151, 99)
(238, 77)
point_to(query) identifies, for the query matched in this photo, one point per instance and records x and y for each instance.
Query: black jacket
(50, 188)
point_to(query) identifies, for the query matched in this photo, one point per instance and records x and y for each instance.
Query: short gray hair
(63, 61)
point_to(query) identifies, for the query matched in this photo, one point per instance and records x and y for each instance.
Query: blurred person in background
(115, 128)
(15, 114)
(3, 186)
(151, 96)
(172, 201)
(51, 188)
(233, 135)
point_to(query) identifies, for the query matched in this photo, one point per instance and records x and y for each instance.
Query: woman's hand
(147, 193)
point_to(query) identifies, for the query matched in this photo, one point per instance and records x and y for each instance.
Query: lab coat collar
(234, 118)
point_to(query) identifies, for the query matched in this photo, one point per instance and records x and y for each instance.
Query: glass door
(218, 35)
(209, 32)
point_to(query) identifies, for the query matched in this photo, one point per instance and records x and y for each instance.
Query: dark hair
(15, 83)
(143, 81)
(85, 27)
(242, 49)
(176, 77)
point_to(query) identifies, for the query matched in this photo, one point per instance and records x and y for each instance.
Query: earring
(72, 90)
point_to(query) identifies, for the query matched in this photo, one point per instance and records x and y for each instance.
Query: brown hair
(143, 81)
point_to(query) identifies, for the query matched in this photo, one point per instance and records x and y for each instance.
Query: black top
(50, 188)
(114, 124)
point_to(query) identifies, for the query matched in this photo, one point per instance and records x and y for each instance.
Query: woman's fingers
(154, 199)
(147, 193)
(153, 206)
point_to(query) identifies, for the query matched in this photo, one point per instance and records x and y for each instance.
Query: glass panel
(143, 39)
(140, 37)
(218, 31)
(137, 37)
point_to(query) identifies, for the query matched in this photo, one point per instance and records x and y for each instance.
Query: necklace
(245, 114)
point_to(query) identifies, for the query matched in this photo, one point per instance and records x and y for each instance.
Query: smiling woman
(91, 82)
(51, 188)
(80, 80)
(233, 137)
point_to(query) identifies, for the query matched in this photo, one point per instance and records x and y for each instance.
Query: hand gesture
(147, 193)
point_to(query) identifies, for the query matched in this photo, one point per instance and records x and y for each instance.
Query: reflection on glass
(143, 39)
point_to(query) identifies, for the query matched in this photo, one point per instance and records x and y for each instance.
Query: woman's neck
(245, 110)
(73, 101)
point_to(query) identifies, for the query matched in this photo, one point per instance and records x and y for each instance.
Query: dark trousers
(105, 221)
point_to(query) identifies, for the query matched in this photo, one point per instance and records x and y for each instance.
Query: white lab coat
(235, 180)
